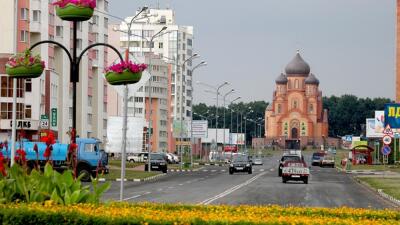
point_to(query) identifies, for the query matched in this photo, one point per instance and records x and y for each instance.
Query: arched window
(311, 108)
(296, 84)
(279, 108)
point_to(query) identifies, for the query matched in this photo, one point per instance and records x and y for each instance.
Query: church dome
(311, 79)
(297, 66)
(281, 79)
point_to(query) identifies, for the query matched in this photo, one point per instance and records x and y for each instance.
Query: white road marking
(261, 170)
(180, 184)
(170, 187)
(205, 170)
(136, 196)
(213, 170)
(230, 190)
(223, 170)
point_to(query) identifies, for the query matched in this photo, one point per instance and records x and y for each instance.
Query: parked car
(240, 163)
(157, 163)
(176, 158)
(317, 158)
(328, 160)
(169, 158)
(137, 157)
(288, 157)
(257, 161)
(295, 170)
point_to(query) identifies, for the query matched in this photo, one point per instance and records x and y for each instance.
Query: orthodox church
(296, 117)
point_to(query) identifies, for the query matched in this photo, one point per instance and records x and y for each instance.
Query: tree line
(347, 115)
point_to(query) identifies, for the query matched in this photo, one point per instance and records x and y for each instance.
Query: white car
(137, 157)
(257, 161)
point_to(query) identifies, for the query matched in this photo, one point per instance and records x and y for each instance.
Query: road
(213, 185)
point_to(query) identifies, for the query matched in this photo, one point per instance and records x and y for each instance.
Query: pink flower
(120, 67)
(83, 3)
(24, 59)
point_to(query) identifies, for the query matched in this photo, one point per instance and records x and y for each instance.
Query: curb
(190, 170)
(134, 180)
(380, 192)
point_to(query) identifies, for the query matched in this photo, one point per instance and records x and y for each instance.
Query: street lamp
(202, 63)
(231, 131)
(181, 107)
(228, 93)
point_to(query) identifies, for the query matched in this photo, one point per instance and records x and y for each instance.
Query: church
(296, 118)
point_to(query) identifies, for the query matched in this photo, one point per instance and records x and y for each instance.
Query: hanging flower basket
(25, 66)
(75, 10)
(124, 73)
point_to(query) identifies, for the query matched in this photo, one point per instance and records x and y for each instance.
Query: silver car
(257, 161)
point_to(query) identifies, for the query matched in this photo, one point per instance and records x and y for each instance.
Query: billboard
(379, 122)
(371, 130)
(183, 126)
(392, 115)
(199, 128)
(211, 136)
(134, 134)
(237, 139)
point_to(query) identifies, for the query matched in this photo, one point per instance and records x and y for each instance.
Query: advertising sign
(54, 117)
(21, 124)
(199, 128)
(230, 148)
(371, 129)
(181, 129)
(379, 122)
(211, 136)
(237, 139)
(392, 115)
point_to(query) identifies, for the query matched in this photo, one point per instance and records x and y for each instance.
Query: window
(104, 124)
(138, 110)
(59, 31)
(279, 108)
(28, 85)
(89, 118)
(6, 110)
(90, 99)
(28, 111)
(295, 104)
(105, 107)
(106, 38)
(311, 108)
(7, 87)
(70, 112)
(105, 22)
(296, 84)
(95, 19)
(24, 14)
(96, 37)
(79, 43)
(79, 26)
(106, 5)
(36, 15)
(90, 147)
(24, 36)
(160, 45)
(138, 99)
(189, 42)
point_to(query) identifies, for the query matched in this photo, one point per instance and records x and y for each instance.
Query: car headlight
(231, 165)
(247, 164)
(162, 163)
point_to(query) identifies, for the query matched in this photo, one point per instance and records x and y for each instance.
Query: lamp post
(223, 128)
(181, 107)
(231, 130)
(202, 63)
(245, 130)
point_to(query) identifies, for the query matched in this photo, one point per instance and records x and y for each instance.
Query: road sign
(44, 117)
(54, 117)
(44, 124)
(387, 140)
(386, 150)
(388, 130)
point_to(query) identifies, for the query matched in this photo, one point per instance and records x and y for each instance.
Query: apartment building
(26, 22)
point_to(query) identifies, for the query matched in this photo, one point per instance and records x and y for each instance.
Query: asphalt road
(214, 185)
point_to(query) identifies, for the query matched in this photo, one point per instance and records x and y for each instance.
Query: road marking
(213, 170)
(261, 170)
(170, 187)
(180, 184)
(205, 170)
(136, 196)
(223, 170)
(160, 189)
(271, 169)
(232, 189)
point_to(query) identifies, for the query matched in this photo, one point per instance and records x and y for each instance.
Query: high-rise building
(174, 46)
(50, 96)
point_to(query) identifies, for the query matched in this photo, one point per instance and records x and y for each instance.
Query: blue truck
(90, 158)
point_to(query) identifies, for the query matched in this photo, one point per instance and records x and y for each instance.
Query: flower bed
(124, 73)
(148, 213)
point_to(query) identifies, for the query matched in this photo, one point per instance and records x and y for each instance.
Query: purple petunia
(83, 3)
(120, 67)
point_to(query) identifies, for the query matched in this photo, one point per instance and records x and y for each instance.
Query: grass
(390, 186)
(117, 163)
(129, 174)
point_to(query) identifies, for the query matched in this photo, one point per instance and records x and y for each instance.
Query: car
(169, 158)
(316, 158)
(257, 161)
(175, 157)
(288, 157)
(240, 163)
(137, 157)
(295, 170)
(157, 163)
(328, 160)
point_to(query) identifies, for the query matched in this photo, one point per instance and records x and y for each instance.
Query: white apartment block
(51, 94)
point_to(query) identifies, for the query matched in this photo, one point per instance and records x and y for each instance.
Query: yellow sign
(184, 143)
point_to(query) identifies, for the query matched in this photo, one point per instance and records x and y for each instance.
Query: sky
(349, 44)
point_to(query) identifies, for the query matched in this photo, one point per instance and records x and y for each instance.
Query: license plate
(239, 168)
(154, 166)
(296, 176)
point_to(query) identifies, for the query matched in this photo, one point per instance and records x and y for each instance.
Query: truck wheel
(85, 173)
(284, 180)
(305, 180)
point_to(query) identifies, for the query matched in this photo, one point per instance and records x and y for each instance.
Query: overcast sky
(349, 44)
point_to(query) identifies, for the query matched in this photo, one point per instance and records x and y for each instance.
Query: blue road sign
(386, 150)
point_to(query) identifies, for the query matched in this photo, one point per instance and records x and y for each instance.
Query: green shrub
(20, 186)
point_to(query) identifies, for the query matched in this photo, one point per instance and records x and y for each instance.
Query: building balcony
(35, 26)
